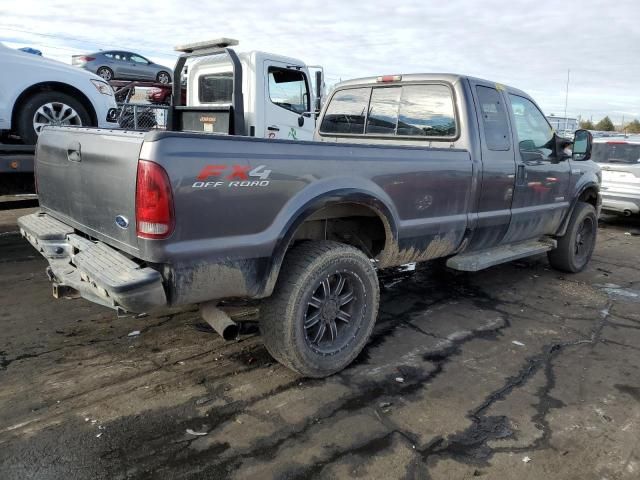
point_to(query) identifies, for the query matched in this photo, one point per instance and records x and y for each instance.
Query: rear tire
(106, 73)
(323, 308)
(576, 246)
(163, 77)
(56, 107)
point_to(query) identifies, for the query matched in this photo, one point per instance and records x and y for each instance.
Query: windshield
(616, 152)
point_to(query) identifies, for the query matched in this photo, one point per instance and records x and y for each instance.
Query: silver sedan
(121, 65)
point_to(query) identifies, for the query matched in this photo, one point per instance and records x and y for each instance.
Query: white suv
(35, 92)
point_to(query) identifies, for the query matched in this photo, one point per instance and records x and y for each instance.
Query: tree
(587, 125)
(633, 127)
(606, 125)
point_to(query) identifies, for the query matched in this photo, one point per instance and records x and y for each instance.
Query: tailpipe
(627, 213)
(219, 321)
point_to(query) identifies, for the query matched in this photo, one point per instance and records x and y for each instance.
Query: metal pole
(566, 101)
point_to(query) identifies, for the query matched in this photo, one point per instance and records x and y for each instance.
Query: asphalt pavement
(516, 372)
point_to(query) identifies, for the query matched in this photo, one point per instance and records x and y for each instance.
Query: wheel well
(590, 195)
(351, 223)
(53, 87)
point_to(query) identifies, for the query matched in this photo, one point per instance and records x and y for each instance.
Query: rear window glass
(215, 87)
(494, 119)
(426, 111)
(383, 111)
(612, 152)
(347, 111)
(408, 110)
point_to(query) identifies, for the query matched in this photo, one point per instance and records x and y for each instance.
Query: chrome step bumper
(98, 272)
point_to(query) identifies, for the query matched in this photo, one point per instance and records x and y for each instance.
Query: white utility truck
(253, 93)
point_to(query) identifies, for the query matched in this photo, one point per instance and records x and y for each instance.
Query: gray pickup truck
(404, 169)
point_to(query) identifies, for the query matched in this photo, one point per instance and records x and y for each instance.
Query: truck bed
(237, 199)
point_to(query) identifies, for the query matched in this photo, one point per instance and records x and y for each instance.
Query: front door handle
(273, 128)
(521, 175)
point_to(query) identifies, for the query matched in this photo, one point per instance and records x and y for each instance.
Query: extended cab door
(541, 194)
(286, 98)
(498, 166)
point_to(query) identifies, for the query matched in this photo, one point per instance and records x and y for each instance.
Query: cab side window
(138, 59)
(346, 112)
(494, 119)
(534, 131)
(288, 89)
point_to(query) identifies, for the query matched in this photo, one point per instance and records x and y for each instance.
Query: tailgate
(87, 177)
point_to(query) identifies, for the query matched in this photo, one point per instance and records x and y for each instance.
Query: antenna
(566, 101)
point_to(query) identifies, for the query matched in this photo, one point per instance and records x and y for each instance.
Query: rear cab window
(347, 112)
(215, 87)
(407, 111)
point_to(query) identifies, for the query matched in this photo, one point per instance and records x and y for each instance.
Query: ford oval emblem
(122, 222)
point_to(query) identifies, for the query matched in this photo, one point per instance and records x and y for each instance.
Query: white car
(35, 92)
(619, 159)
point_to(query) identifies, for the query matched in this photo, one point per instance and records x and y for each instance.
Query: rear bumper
(621, 201)
(96, 271)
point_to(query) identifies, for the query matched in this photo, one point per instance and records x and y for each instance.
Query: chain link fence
(139, 116)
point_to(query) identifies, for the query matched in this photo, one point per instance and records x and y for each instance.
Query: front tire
(576, 246)
(49, 108)
(323, 308)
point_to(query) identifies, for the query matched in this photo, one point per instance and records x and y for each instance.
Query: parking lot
(514, 372)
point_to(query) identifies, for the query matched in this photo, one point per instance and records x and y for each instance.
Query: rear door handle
(73, 152)
(273, 128)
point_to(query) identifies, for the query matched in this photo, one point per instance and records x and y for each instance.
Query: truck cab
(251, 93)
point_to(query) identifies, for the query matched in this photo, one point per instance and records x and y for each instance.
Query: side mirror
(301, 120)
(582, 142)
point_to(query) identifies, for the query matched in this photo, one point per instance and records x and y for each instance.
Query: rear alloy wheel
(49, 108)
(163, 77)
(323, 308)
(106, 73)
(576, 246)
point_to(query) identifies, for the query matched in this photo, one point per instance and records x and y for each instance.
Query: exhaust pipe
(219, 321)
(627, 213)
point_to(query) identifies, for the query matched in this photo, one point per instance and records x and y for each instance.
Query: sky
(526, 44)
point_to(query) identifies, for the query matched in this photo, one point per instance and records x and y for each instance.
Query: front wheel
(49, 108)
(323, 308)
(576, 246)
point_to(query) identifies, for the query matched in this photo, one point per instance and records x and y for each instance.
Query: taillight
(87, 59)
(154, 201)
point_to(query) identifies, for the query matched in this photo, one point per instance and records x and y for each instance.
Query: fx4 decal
(229, 176)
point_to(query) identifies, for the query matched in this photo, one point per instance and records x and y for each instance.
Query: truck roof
(422, 77)
(246, 56)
